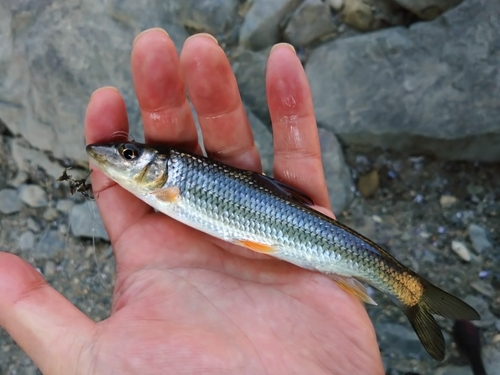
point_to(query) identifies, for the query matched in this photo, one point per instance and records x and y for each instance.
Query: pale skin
(185, 303)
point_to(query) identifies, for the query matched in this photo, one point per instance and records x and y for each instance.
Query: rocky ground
(410, 77)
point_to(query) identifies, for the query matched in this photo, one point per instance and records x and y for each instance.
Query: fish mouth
(102, 154)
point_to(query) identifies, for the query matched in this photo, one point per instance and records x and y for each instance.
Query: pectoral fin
(256, 246)
(170, 194)
(353, 287)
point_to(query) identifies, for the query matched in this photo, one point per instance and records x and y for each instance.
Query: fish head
(139, 168)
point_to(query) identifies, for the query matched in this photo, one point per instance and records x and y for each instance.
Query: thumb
(52, 331)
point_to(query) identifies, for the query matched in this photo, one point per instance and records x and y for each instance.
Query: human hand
(184, 302)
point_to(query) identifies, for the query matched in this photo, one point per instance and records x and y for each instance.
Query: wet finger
(160, 91)
(214, 93)
(297, 154)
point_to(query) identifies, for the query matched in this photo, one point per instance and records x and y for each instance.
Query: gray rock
(9, 201)
(20, 178)
(27, 241)
(491, 359)
(399, 339)
(453, 370)
(481, 306)
(337, 173)
(212, 16)
(428, 9)
(27, 158)
(50, 246)
(358, 14)
(65, 205)
(310, 22)
(33, 224)
(483, 287)
(33, 195)
(60, 54)
(264, 141)
(479, 238)
(250, 71)
(49, 269)
(423, 89)
(85, 221)
(50, 214)
(262, 22)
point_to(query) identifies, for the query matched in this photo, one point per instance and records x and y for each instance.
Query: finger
(160, 90)
(214, 93)
(297, 154)
(106, 114)
(52, 331)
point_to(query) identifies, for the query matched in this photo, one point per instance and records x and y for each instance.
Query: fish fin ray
(353, 287)
(170, 194)
(283, 189)
(256, 246)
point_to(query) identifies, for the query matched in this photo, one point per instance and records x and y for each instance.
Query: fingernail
(284, 45)
(148, 31)
(205, 35)
(103, 88)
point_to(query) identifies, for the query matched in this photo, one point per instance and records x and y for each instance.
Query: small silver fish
(267, 216)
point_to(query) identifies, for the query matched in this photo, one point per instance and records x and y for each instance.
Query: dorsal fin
(282, 189)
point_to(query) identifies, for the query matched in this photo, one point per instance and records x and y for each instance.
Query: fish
(260, 213)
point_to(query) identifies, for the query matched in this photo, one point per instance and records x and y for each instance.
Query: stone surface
(453, 370)
(337, 173)
(491, 359)
(479, 238)
(33, 195)
(358, 14)
(399, 339)
(27, 241)
(60, 54)
(310, 22)
(212, 16)
(50, 246)
(65, 205)
(423, 89)
(250, 71)
(9, 201)
(483, 287)
(27, 158)
(369, 183)
(461, 250)
(428, 9)
(85, 221)
(481, 306)
(261, 27)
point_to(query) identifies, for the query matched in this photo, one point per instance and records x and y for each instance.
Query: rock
(264, 141)
(428, 9)
(260, 28)
(9, 201)
(454, 370)
(491, 359)
(358, 14)
(483, 287)
(27, 158)
(337, 173)
(85, 221)
(481, 306)
(50, 214)
(446, 201)
(336, 4)
(65, 205)
(479, 238)
(310, 22)
(20, 178)
(33, 195)
(27, 241)
(422, 89)
(250, 71)
(461, 250)
(50, 246)
(49, 269)
(368, 183)
(211, 16)
(399, 339)
(60, 54)
(33, 224)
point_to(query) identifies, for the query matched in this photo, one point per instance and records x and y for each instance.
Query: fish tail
(436, 301)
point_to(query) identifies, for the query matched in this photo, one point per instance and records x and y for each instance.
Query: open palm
(184, 302)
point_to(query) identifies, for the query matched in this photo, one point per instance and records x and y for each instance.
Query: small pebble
(479, 238)
(461, 250)
(49, 268)
(368, 183)
(481, 306)
(27, 241)
(9, 202)
(33, 224)
(20, 179)
(495, 339)
(447, 201)
(33, 195)
(50, 214)
(483, 287)
(377, 219)
(65, 205)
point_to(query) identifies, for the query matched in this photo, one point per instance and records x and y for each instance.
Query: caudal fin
(436, 301)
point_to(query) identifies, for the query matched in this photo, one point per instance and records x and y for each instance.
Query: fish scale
(255, 211)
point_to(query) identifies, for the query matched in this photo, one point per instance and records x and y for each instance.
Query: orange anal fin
(256, 246)
(170, 194)
(353, 287)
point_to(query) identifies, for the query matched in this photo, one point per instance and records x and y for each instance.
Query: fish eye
(129, 151)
